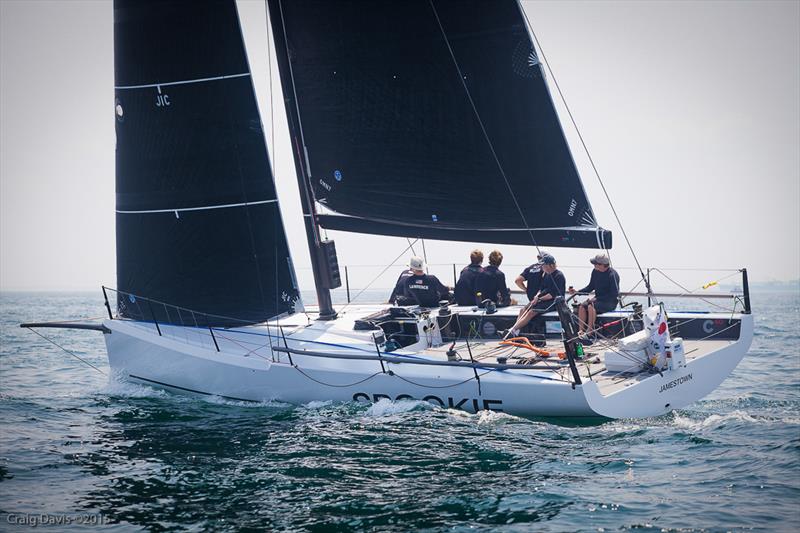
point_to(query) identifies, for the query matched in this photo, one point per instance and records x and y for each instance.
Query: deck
(590, 368)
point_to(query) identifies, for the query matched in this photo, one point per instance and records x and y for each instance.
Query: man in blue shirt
(465, 286)
(604, 282)
(531, 278)
(553, 284)
(491, 283)
(399, 287)
(423, 289)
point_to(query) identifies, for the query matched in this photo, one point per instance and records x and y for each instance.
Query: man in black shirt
(553, 284)
(531, 278)
(465, 287)
(491, 283)
(605, 284)
(423, 289)
(399, 287)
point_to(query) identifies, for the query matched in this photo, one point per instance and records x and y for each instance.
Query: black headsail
(198, 222)
(431, 118)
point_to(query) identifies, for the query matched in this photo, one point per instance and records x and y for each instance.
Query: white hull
(246, 368)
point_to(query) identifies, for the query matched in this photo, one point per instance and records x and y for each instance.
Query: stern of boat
(654, 394)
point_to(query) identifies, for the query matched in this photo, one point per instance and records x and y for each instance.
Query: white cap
(416, 263)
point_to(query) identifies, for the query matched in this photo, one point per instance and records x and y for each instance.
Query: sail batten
(182, 82)
(447, 127)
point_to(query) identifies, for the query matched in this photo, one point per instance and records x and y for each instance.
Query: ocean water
(74, 444)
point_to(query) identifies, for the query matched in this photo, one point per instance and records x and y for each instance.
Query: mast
(300, 154)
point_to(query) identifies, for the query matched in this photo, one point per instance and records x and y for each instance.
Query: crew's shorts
(542, 307)
(601, 307)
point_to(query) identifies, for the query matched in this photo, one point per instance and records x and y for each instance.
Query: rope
(461, 78)
(336, 386)
(524, 342)
(439, 386)
(594, 167)
(69, 352)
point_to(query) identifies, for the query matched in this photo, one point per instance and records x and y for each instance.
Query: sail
(198, 221)
(430, 118)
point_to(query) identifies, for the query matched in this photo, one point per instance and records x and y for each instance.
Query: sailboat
(437, 133)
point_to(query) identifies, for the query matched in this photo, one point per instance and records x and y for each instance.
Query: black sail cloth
(198, 223)
(431, 118)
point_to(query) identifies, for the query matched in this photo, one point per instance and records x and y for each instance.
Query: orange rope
(524, 342)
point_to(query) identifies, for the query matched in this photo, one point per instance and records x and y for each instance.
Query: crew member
(465, 286)
(491, 283)
(553, 285)
(423, 289)
(531, 278)
(399, 287)
(604, 282)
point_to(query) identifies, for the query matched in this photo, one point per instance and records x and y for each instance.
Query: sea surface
(75, 445)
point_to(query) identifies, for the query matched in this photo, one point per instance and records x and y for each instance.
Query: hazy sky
(691, 111)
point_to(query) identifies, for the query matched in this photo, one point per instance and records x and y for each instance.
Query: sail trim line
(182, 82)
(203, 208)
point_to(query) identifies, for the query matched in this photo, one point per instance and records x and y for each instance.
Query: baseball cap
(416, 263)
(548, 259)
(599, 259)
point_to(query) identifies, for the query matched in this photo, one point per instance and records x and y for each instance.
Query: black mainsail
(429, 118)
(198, 221)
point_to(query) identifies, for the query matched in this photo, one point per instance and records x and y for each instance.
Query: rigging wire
(688, 292)
(267, 18)
(387, 267)
(84, 361)
(269, 69)
(586, 150)
(461, 78)
(411, 245)
(234, 134)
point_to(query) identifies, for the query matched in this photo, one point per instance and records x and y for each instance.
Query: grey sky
(691, 111)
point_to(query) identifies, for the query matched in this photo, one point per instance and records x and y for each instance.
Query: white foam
(733, 416)
(218, 400)
(458, 413)
(714, 421)
(386, 407)
(126, 389)
(493, 417)
(317, 404)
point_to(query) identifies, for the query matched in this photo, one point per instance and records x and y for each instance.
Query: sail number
(572, 205)
(162, 100)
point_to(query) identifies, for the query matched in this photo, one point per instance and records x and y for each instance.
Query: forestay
(429, 118)
(198, 223)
